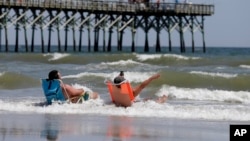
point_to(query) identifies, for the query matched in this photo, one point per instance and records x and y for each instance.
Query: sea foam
(131, 76)
(120, 62)
(245, 66)
(144, 57)
(2, 73)
(202, 94)
(224, 75)
(139, 109)
(56, 56)
(183, 103)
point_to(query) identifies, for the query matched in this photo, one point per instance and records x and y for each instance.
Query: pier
(79, 19)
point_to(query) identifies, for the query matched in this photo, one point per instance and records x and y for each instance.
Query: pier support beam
(121, 40)
(24, 22)
(80, 33)
(89, 37)
(80, 39)
(169, 41)
(110, 39)
(104, 39)
(133, 31)
(74, 39)
(66, 39)
(146, 30)
(50, 29)
(42, 39)
(25, 38)
(96, 43)
(33, 37)
(118, 37)
(5, 20)
(133, 40)
(182, 44)
(169, 29)
(158, 29)
(17, 30)
(192, 33)
(0, 37)
(33, 30)
(58, 33)
(89, 40)
(203, 33)
(58, 39)
(1, 21)
(66, 29)
(96, 33)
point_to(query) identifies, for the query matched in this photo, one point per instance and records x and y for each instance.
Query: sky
(228, 27)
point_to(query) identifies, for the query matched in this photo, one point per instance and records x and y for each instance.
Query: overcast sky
(230, 25)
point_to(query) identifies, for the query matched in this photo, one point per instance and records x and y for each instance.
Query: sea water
(208, 86)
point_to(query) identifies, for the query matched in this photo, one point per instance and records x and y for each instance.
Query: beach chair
(125, 88)
(52, 90)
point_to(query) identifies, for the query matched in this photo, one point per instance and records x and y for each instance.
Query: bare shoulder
(121, 99)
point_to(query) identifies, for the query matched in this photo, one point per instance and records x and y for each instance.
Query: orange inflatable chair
(125, 89)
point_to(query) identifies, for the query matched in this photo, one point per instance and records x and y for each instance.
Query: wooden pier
(106, 17)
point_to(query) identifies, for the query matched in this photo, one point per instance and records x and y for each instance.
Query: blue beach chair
(52, 90)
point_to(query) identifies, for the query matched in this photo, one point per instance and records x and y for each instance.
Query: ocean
(211, 86)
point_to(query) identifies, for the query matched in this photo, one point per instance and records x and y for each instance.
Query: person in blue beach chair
(55, 90)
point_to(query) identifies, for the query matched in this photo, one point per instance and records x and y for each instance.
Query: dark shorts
(86, 96)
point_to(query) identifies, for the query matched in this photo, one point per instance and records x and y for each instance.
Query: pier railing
(113, 6)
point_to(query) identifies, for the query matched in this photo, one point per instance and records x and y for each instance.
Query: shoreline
(29, 126)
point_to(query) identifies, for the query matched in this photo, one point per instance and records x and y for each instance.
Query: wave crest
(144, 57)
(202, 94)
(224, 75)
(56, 56)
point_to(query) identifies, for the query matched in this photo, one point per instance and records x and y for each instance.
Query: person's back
(121, 97)
(52, 90)
(123, 94)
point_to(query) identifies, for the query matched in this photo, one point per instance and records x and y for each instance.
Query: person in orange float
(123, 95)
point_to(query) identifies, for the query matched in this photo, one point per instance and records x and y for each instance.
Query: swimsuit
(86, 96)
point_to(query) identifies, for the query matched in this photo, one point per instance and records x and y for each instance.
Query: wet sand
(65, 127)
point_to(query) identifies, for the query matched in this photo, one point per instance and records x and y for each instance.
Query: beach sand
(65, 127)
